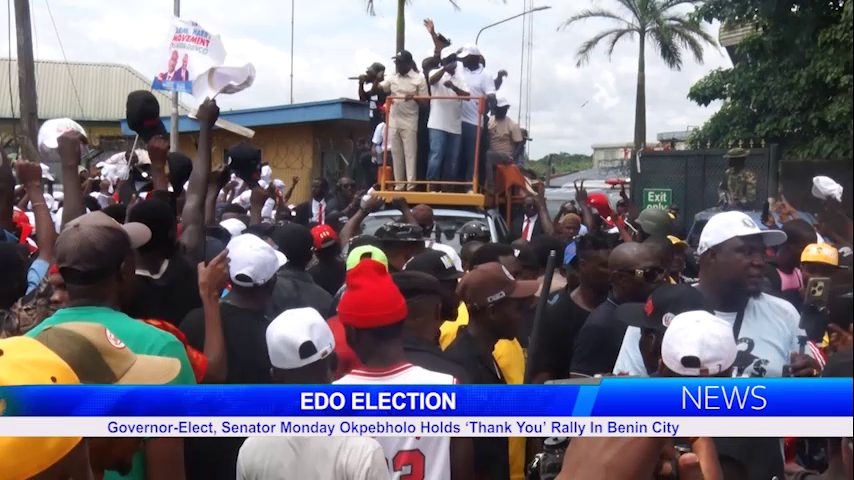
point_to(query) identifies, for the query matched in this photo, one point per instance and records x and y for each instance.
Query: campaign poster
(192, 51)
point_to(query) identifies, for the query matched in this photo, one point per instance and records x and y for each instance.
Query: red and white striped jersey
(411, 458)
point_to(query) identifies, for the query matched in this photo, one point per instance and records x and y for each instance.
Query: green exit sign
(660, 198)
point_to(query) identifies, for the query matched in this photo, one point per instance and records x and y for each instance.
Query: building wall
(610, 155)
(292, 150)
(94, 130)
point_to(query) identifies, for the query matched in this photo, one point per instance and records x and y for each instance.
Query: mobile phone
(817, 292)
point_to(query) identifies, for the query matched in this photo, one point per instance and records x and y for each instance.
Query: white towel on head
(826, 187)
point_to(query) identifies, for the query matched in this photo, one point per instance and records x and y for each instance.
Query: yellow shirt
(510, 358)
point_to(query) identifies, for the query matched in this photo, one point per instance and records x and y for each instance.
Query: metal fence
(693, 176)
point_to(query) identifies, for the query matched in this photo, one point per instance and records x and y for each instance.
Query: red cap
(371, 299)
(324, 236)
(599, 201)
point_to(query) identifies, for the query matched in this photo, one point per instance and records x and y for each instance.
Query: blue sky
(571, 107)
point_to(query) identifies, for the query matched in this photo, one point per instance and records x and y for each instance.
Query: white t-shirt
(480, 84)
(432, 453)
(768, 336)
(379, 138)
(244, 201)
(284, 458)
(445, 114)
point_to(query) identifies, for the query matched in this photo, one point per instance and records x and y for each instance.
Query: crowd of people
(179, 273)
(428, 134)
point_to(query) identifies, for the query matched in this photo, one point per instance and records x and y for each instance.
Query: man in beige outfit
(403, 119)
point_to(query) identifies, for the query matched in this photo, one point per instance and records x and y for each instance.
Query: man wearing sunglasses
(635, 271)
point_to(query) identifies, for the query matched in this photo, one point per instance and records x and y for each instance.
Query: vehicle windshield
(446, 227)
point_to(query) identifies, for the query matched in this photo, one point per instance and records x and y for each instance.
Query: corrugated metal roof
(102, 87)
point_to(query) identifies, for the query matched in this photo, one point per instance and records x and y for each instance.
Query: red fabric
(526, 229)
(371, 300)
(347, 359)
(198, 360)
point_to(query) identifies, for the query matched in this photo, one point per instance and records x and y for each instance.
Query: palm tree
(655, 21)
(401, 21)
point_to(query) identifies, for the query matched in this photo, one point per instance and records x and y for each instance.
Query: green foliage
(562, 164)
(792, 79)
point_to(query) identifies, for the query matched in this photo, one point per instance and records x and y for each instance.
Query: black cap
(399, 232)
(143, 114)
(474, 230)
(435, 263)
(244, 159)
(180, 168)
(402, 56)
(666, 302)
(412, 283)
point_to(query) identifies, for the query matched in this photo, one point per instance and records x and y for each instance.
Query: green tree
(791, 80)
(400, 43)
(658, 22)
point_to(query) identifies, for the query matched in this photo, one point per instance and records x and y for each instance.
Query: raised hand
(213, 277)
(428, 24)
(208, 113)
(580, 193)
(158, 148)
(68, 145)
(29, 174)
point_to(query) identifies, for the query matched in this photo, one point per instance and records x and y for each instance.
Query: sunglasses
(649, 275)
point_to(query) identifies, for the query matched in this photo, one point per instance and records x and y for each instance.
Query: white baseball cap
(726, 225)
(447, 52)
(298, 337)
(468, 49)
(234, 226)
(502, 102)
(46, 173)
(696, 341)
(252, 261)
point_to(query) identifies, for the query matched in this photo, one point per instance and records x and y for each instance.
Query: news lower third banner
(600, 407)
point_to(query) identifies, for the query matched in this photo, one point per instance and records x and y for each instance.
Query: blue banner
(612, 397)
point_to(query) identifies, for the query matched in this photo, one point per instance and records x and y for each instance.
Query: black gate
(694, 176)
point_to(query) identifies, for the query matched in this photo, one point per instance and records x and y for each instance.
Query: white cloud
(571, 107)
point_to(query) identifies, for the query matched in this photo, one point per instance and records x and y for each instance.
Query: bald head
(632, 255)
(423, 214)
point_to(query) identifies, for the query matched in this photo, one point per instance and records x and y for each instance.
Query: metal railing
(389, 104)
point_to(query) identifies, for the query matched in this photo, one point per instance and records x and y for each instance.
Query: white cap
(697, 341)
(46, 173)
(252, 261)
(726, 225)
(468, 49)
(244, 199)
(826, 187)
(502, 102)
(58, 196)
(51, 130)
(278, 183)
(234, 226)
(298, 337)
(266, 173)
(447, 52)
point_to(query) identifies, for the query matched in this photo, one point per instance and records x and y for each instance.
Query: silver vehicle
(448, 222)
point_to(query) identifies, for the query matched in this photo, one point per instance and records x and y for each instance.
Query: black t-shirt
(552, 350)
(428, 355)
(598, 342)
(169, 297)
(248, 363)
(491, 457)
(329, 274)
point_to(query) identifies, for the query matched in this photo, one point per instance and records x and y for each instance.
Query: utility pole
(292, 51)
(173, 124)
(28, 103)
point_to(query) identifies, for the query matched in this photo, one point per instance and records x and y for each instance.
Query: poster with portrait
(192, 51)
